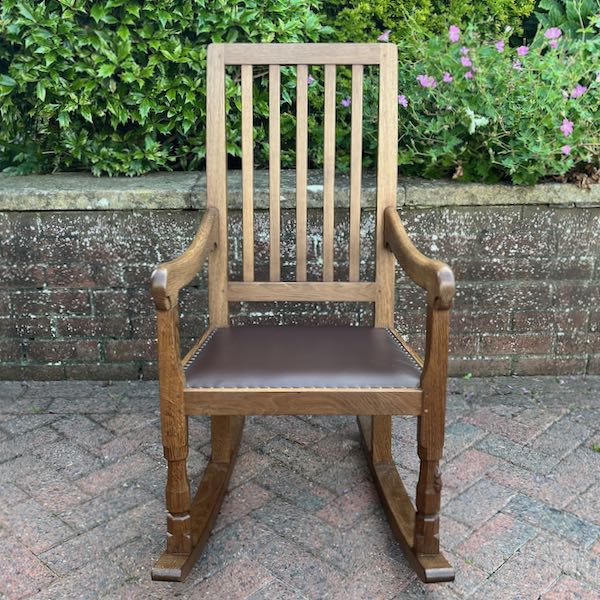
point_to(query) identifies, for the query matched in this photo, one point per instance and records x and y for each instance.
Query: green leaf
(7, 81)
(40, 90)
(97, 12)
(106, 70)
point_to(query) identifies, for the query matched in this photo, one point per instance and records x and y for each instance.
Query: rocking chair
(295, 370)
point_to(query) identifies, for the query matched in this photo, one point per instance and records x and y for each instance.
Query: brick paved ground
(82, 476)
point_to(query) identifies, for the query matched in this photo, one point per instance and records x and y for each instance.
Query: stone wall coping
(187, 190)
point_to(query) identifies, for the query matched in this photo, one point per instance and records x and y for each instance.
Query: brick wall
(74, 298)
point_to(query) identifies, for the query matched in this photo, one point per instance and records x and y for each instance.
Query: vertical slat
(247, 175)
(216, 183)
(387, 181)
(355, 171)
(274, 172)
(328, 172)
(301, 168)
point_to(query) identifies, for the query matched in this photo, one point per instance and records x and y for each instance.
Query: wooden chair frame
(189, 521)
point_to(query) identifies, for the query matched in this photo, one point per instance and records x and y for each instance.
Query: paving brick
(522, 577)
(568, 587)
(466, 468)
(293, 456)
(495, 542)
(479, 503)
(240, 502)
(236, 581)
(83, 431)
(21, 424)
(491, 421)
(561, 437)
(587, 505)
(348, 508)
(115, 474)
(33, 525)
(108, 505)
(563, 523)
(297, 568)
(523, 456)
(459, 436)
(295, 488)
(93, 545)
(22, 573)
(69, 460)
(276, 591)
(23, 444)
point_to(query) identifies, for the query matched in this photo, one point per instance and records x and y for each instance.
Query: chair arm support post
(169, 277)
(433, 275)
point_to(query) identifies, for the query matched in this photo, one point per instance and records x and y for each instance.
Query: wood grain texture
(216, 183)
(247, 175)
(168, 278)
(302, 401)
(308, 54)
(207, 502)
(387, 181)
(274, 173)
(400, 512)
(433, 275)
(301, 168)
(328, 171)
(355, 172)
(310, 291)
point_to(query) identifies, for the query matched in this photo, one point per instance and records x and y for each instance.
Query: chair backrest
(380, 291)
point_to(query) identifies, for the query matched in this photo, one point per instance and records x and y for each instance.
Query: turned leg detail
(178, 500)
(427, 518)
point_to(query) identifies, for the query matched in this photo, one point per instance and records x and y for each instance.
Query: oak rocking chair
(370, 372)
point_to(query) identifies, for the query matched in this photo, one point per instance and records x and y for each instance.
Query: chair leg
(376, 436)
(178, 500)
(427, 519)
(180, 557)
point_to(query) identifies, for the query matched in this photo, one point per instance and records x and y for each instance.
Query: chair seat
(267, 356)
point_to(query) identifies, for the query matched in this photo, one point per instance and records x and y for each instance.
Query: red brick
(479, 367)
(549, 365)
(517, 343)
(45, 302)
(10, 350)
(89, 275)
(568, 587)
(562, 320)
(237, 581)
(21, 276)
(93, 326)
(105, 371)
(463, 344)
(57, 350)
(128, 350)
(111, 302)
(581, 295)
(577, 343)
(478, 322)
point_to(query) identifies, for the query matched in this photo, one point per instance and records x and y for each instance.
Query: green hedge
(119, 87)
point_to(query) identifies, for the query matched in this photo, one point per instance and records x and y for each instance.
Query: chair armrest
(433, 275)
(169, 277)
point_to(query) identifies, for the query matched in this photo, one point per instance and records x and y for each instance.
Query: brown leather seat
(302, 357)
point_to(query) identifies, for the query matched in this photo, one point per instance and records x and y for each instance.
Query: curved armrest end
(159, 290)
(432, 275)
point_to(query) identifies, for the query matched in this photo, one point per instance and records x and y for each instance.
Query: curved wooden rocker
(236, 371)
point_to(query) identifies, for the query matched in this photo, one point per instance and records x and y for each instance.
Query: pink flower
(567, 127)
(427, 81)
(385, 36)
(578, 90)
(402, 100)
(346, 102)
(447, 78)
(522, 50)
(310, 80)
(469, 75)
(464, 51)
(553, 44)
(499, 45)
(566, 149)
(454, 33)
(517, 65)
(553, 33)
(466, 61)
